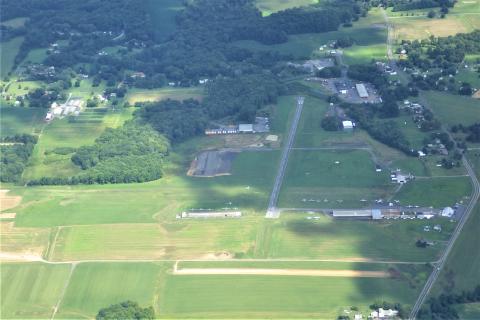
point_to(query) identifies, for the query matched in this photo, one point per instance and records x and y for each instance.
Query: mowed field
(370, 36)
(72, 132)
(331, 179)
(453, 109)
(141, 95)
(7, 54)
(414, 24)
(16, 120)
(268, 7)
(92, 286)
(462, 267)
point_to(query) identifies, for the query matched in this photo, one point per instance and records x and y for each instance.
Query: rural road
(458, 229)
(272, 211)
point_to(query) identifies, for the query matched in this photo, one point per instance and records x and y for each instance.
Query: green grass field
(461, 268)
(469, 311)
(71, 132)
(141, 95)
(453, 109)
(248, 188)
(17, 120)
(313, 179)
(94, 286)
(415, 24)
(270, 6)
(30, 290)
(436, 192)
(369, 33)
(14, 23)
(294, 236)
(163, 14)
(7, 55)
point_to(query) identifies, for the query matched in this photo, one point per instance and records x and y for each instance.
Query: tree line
(14, 154)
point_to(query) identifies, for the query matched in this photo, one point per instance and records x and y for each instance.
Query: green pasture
(314, 179)
(275, 296)
(72, 132)
(469, 311)
(322, 237)
(268, 7)
(436, 191)
(426, 167)
(162, 14)
(365, 54)
(17, 120)
(461, 268)
(470, 76)
(142, 95)
(247, 188)
(31, 290)
(180, 239)
(415, 24)
(36, 56)
(15, 22)
(7, 54)
(453, 109)
(97, 285)
(311, 134)
(369, 34)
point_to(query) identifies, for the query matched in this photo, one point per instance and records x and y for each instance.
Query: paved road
(458, 229)
(272, 211)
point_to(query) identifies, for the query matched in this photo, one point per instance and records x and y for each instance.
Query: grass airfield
(86, 233)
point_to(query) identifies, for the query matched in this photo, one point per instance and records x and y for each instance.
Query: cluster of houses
(40, 71)
(71, 107)
(386, 68)
(261, 125)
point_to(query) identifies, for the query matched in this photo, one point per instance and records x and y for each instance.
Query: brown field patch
(4, 216)
(22, 242)
(8, 202)
(282, 272)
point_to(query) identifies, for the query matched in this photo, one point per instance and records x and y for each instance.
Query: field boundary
(282, 272)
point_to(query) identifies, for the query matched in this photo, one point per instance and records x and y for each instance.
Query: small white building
(245, 128)
(448, 212)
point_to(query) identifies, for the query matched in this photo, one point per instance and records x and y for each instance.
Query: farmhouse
(361, 90)
(210, 214)
(447, 212)
(348, 125)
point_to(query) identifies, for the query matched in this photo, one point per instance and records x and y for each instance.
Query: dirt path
(282, 272)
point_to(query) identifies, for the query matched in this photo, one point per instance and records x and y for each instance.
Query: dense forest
(442, 307)
(14, 153)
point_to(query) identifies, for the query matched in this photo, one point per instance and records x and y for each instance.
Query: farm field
(268, 7)
(181, 239)
(92, 286)
(72, 132)
(453, 109)
(415, 24)
(96, 285)
(9, 51)
(369, 33)
(141, 95)
(17, 120)
(315, 179)
(14, 23)
(30, 290)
